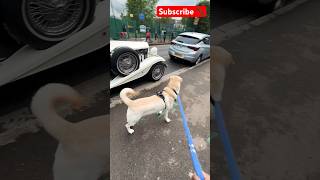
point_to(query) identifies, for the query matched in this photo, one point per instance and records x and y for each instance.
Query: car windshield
(187, 39)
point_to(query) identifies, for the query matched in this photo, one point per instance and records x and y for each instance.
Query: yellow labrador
(162, 102)
(221, 60)
(82, 151)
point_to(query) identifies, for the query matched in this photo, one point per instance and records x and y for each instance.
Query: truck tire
(124, 61)
(42, 24)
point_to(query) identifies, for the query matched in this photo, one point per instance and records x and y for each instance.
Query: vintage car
(42, 24)
(60, 38)
(131, 60)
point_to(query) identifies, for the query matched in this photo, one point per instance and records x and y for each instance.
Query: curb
(148, 86)
(156, 44)
(237, 27)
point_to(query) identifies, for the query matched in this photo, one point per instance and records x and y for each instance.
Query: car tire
(40, 29)
(199, 60)
(157, 71)
(124, 61)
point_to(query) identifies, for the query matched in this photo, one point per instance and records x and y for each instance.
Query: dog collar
(175, 91)
(159, 93)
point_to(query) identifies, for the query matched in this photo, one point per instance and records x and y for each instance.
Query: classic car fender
(135, 45)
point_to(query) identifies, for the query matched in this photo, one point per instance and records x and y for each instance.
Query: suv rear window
(187, 39)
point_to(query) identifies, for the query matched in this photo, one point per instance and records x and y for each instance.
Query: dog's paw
(130, 131)
(168, 120)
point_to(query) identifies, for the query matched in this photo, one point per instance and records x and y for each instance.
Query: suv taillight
(172, 43)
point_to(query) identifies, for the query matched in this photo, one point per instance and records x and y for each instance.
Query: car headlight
(153, 51)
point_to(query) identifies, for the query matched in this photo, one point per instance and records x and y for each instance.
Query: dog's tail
(43, 107)
(124, 96)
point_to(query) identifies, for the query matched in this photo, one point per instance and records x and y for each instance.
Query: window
(187, 39)
(206, 40)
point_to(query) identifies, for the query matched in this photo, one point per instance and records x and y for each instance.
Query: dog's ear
(172, 77)
(176, 77)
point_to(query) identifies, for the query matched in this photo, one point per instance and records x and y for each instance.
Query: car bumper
(191, 56)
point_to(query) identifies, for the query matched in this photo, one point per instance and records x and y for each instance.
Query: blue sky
(118, 6)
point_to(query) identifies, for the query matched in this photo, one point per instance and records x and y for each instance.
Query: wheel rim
(54, 20)
(127, 63)
(157, 72)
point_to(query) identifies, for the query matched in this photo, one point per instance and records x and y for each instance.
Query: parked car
(42, 24)
(131, 60)
(190, 46)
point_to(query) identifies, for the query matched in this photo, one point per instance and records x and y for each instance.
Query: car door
(206, 47)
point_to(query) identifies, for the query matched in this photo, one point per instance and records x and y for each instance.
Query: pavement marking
(114, 101)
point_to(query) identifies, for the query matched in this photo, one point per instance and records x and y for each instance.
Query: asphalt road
(271, 99)
(225, 11)
(172, 65)
(158, 150)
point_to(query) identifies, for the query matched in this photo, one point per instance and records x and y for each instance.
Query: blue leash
(232, 164)
(193, 153)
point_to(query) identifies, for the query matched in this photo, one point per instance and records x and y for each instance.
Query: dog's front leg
(166, 113)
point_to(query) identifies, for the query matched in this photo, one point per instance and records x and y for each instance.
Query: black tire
(172, 57)
(156, 72)
(129, 56)
(199, 60)
(41, 30)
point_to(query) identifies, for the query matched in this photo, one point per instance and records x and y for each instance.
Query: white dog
(162, 102)
(221, 60)
(82, 152)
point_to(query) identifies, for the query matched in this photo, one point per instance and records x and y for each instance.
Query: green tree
(204, 23)
(188, 24)
(147, 7)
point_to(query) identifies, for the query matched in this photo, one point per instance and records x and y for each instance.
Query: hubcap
(54, 18)
(157, 73)
(127, 63)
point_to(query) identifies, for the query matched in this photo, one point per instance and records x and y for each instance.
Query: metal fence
(133, 32)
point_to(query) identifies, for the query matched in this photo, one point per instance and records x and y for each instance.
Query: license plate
(178, 55)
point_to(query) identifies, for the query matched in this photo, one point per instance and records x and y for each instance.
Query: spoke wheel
(54, 20)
